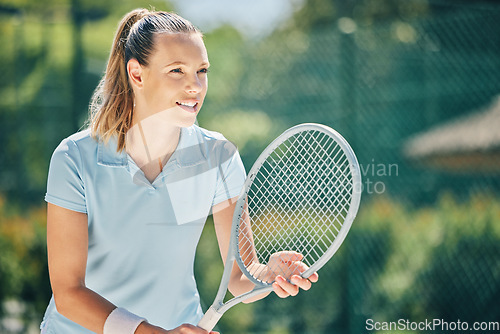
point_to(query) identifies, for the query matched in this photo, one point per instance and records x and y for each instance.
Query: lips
(188, 105)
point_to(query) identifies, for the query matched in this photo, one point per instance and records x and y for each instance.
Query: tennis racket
(301, 195)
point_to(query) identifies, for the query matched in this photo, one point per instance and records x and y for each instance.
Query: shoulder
(77, 141)
(76, 146)
(207, 135)
(214, 141)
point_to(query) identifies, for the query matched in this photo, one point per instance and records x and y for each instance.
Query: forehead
(179, 47)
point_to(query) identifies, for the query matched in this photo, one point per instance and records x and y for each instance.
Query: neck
(151, 140)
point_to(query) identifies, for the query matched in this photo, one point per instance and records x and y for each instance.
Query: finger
(302, 283)
(278, 290)
(314, 277)
(288, 287)
(286, 256)
(291, 268)
(297, 267)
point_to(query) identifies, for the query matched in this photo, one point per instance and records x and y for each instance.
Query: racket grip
(210, 319)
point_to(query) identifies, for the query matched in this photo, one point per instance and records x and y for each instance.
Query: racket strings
(305, 173)
(297, 204)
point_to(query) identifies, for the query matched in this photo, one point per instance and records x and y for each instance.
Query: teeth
(187, 104)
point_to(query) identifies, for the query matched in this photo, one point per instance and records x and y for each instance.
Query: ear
(135, 73)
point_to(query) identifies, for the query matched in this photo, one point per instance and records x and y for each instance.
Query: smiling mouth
(188, 106)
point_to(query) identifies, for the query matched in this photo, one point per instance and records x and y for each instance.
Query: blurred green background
(411, 84)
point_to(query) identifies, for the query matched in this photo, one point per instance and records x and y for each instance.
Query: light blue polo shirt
(143, 236)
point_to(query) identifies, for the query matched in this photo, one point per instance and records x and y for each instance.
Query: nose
(194, 85)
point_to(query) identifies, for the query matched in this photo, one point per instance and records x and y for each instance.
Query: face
(174, 83)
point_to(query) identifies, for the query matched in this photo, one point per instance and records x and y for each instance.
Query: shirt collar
(107, 154)
(189, 152)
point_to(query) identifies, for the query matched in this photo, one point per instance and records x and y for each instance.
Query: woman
(128, 197)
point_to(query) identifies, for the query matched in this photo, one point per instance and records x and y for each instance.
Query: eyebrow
(181, 63)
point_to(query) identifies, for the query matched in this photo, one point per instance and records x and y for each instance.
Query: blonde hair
(112, 105)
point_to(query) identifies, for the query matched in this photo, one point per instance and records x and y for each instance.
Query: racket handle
(210, 319)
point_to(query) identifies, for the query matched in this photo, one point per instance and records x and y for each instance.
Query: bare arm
(67, 243)
(223, 216)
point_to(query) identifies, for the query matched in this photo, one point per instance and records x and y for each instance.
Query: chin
(187, 121)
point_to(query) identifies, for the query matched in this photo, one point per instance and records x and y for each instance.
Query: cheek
(166, 87)
(205, 85)
(169, 82)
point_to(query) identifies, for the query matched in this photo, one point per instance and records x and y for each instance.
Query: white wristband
(121, 321)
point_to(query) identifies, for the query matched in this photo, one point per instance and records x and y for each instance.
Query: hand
(287, 268)
(189, 329)
(147, 328)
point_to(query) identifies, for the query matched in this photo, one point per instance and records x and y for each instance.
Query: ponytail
(112, 105)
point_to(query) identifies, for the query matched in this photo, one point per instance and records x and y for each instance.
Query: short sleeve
(231, 174)
(65, 186)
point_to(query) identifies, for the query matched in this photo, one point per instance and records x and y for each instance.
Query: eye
(204, 70)
(176, 70)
